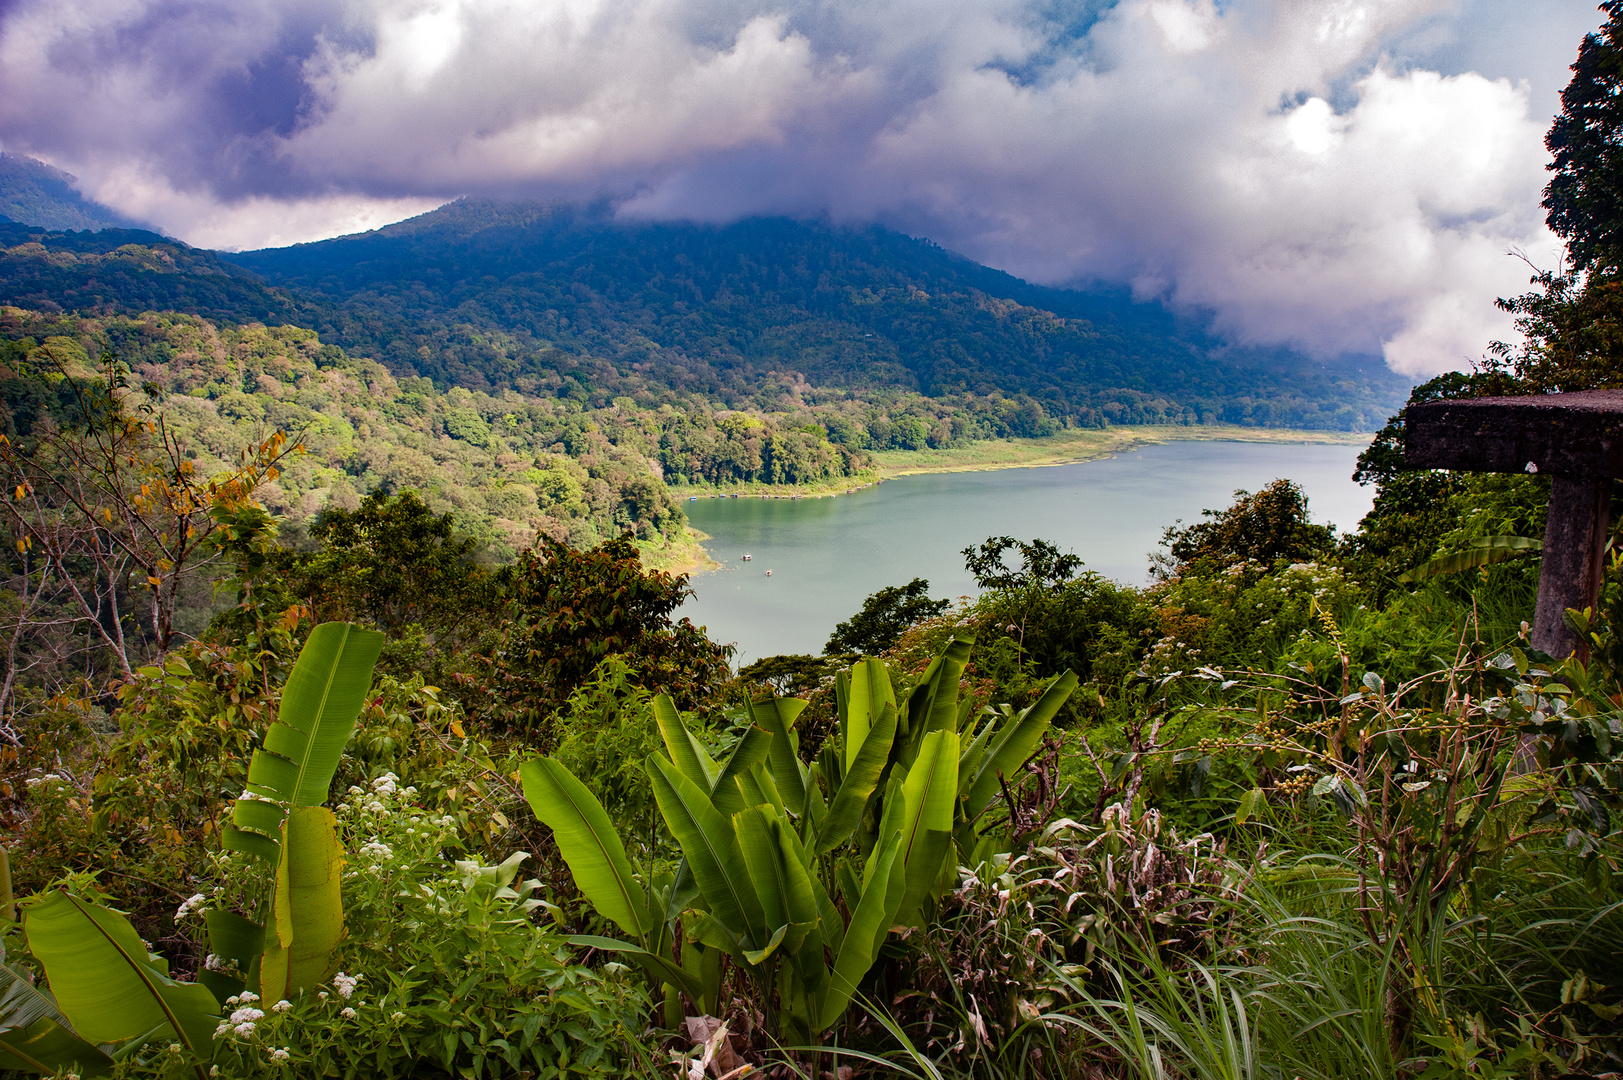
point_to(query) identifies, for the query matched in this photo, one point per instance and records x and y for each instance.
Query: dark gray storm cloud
(1337, 174)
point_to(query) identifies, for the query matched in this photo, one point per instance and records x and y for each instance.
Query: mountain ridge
(34, 193)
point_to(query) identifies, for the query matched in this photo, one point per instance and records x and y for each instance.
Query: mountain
(34, 193)
(480, 293)
(767, 315)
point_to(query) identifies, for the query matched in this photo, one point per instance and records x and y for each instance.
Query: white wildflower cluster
(386, 784)
(242, 1019)
(374, 851)
(192, 903)
(346, 984)
(347, 1013)
(282, 1006)
(280, 1055)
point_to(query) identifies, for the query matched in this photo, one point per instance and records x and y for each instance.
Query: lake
(828, 555)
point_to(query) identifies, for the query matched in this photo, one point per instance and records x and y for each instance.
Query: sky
(1339, 176)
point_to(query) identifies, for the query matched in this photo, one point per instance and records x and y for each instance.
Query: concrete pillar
(1574, 560)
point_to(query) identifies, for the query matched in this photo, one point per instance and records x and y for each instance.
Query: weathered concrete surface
(1577, 440)
(1565, 434)
(1574, 563)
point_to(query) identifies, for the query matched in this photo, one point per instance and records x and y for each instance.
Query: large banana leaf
(778, 716)
(684, 747)
(726, 792)
(35, 1035)
(711, 846)
(323, 696)
(1014, 744)
(928, 795)
(861, 777)
(780, 879)
(307, 908)
(870, 922)
(588, 843)
(933, 705)
(1484, 551)
(105, 982)
(868, 693)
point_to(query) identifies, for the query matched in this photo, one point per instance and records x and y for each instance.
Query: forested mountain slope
(34, 193)
(482, 291)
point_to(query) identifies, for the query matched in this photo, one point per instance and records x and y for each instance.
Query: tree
(111, 521)
(572, 609)
(884, 617)
(1042, 566)
(394, 563)
(1585, 196)
(1572, 321)
(1264, 528)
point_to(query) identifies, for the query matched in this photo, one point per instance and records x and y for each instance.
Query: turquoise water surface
(827, 555)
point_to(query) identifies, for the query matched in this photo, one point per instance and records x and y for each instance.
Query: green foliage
(110, 993)
(1265, 528)
(1583, 196)
(883, 618)
(768, 841)
(572, 609)
(605, 732)
(281, 820)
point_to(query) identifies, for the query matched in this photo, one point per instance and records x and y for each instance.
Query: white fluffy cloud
(1340, 175)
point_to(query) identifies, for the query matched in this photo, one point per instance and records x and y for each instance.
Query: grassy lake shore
(1069, 447)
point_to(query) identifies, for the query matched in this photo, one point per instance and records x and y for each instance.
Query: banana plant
(768, 842)
(281, 819)
(108, 995)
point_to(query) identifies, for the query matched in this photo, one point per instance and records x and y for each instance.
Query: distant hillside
(130, 271)
(907, 343)
(479, 293)
(33, 193)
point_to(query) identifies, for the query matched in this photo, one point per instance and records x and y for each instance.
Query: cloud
(1340, 175)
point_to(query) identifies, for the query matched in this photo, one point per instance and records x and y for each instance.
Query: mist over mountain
(34, 193)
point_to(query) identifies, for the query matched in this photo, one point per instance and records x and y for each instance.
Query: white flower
(347, 1013)
(222, 1029)
(214, 1070)
(353, 790)
(214, 963)
(233, 1000)
(280, 1055)
(322, 995)
(282, 1006)
(245, 1029)
(191, 904)
(345, 984)
(397, 1016)
(385, 784)
(249, 995)
(246, 1016)
(377, 852)
(374, 807)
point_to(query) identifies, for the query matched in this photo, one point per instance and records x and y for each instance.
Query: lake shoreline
(1079, 445)
(1070, 447)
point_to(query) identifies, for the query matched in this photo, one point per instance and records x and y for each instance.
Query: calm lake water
(828, 555)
